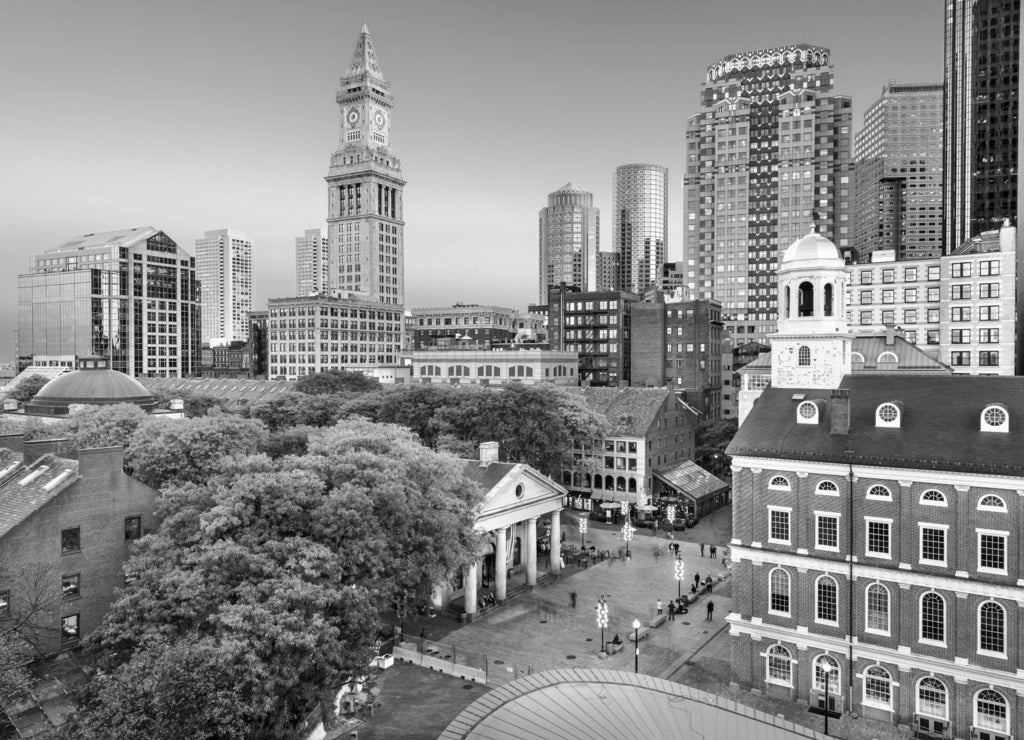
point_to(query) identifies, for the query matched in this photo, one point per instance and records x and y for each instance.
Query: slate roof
(20, 497)
(940, 427)
(910, 357)
(630, 411)
(691, 478)
(487, 476)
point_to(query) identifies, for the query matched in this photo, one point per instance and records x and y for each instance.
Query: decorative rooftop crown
(364, 60)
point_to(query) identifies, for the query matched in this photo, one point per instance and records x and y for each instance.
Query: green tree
(103, 426)
(28, 387)
(336, 381)
(712, 436)
(32, 612)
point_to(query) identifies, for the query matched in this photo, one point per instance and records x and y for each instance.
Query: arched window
(567, 478)
(609, 483)
(586, 479)
(991, 502)
(991, 711)
(789, 309)
(887, 415)
(931, 497)
(820, 664)
(807, 413)
(632, 485)
(887, 358)
(932, 698)
(779, 666)
(880, 492)
(620, 484)
(805, 299)
(995, 418)
(826, 607)
(933, 618)
(876, 606)
(828, 299)
(778, 588)
(804, 356)
(598, 481)
(991, 628)
(857, 360)
(779, 483)
(827, 488)
(878, 687)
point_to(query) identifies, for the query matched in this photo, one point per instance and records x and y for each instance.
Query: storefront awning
(617, 496)
(690, 480)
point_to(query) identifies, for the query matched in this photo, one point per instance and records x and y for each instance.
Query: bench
(613, 647)
(657, 620)
(637, 635)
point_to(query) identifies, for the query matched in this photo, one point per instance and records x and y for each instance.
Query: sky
(196, 115)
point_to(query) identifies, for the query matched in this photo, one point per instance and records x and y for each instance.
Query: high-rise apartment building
(224, 269)
(312, 263)
(131, 296)
(607, 270)
(767, 155)
(982, 165)
(640, 224)
(364, 187)
(898, 164)
(569, 240)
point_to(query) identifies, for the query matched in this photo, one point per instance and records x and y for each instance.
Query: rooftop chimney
(839, 411)
(488, 453)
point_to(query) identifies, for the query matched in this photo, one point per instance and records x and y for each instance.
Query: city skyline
(122, 135)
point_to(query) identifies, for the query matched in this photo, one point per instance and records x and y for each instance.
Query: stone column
(470, 591)
(531, 552)
(500, 564)
(556, 542)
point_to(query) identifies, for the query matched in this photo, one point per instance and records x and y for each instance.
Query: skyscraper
(312, 263)
(224, 268)
(364, 187)
(767, 156)
(569, 240)
(131, 296)
(898, 156)
(640, 223)
(982, 59)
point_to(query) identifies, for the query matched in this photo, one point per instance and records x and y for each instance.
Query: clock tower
(364, 187)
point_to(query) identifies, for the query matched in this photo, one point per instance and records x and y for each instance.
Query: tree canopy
(28, 387)
(711, 438)
(336, 381)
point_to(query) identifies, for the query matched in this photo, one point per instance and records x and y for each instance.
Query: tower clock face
(379, 119)
(352, 117)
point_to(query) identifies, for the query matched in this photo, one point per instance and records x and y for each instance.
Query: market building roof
(630, 411)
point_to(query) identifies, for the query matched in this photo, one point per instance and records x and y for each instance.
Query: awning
(647, 507)
(607, 505)
(618, 496)
(691, 480)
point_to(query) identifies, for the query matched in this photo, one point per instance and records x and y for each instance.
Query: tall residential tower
(640, 224)
(224, 268)
(312, 263)
(569, 240)
(767, 156)
(364, 187)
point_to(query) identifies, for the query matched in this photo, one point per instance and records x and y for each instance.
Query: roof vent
(798, 396)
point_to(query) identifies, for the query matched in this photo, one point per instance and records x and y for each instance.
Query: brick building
(874, 523)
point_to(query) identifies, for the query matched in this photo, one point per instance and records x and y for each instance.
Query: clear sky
(199, 114)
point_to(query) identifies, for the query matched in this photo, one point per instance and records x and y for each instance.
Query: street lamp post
(627, 535)
(602, 617)
(636, 650)
(680, 574)
(670, 516)
(826, 670)
(583, 531)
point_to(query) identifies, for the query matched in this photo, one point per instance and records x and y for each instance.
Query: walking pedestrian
(707, 584)
(711, 610)
(696, 580)
(671, 611)
(660, 609)
(702, 549)
(714, 553)
(572, 599)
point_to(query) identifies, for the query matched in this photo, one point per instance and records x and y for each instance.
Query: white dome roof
(813, 249)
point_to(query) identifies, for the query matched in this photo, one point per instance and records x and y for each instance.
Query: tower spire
(364, 60)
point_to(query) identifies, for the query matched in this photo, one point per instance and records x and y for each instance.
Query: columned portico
(531, 552)
(556, 542)
(470, 591)
(500, 564)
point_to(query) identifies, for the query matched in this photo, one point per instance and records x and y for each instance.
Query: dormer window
(887, 415)
(995, 418)
(807, 413)
(888, 360)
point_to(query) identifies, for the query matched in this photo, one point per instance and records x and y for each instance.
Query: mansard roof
(939, 427)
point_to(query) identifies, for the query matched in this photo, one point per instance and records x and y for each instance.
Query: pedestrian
(696, 580)
(671, 611)
(702, 549)
(660, 609)
(561, 562)
(572, 599)
(676, 546)
(707, 584)
(714, 553)
(711, 610)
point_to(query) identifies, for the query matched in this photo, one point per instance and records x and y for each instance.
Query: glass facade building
(639, 224)
(898, 156)
(569, 240)
(131, 296)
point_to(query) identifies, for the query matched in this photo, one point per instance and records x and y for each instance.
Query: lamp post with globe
(583, 530)
(680, 574)
(636, 649)
(627, 527)
(602, 617)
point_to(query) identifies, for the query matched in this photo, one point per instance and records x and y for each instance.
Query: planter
(384, 661)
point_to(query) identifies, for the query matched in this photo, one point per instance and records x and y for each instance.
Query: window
(992, 551)
(990, 711)
(779, 483)
(995, 418)
(987, 358)
(879, 492)
(988, 336)
(988, 268)
(888, 295)
(960, 269)
(878, 687)
(888, 275)
(70, 587)
(889, 317)
(960, 313)
(960, 292)
(910, 274)
(70, 540)
(5, 603)
(865, 298)
(933, 618)
(960, 359)
(821, 663)
(991, 628)
(780, 667)
(778, 528)
(934, 294)
(877, 608)
(825, 601)
(865, 318)
(932, 698)
(960, 336)
(887, 415)
(988, 290)
(827, 488)
(934, 315)
(827, 531)
(807, 413)
(934, 272)
(804, 356)
(69, 629)
(865, 277)
(778, 588)
(910, 295)
(988, 313)
(933, 498)
(878, 537)
(933, 544)
(132, 528)
(991, 502)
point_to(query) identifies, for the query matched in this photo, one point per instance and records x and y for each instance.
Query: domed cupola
(94, 383)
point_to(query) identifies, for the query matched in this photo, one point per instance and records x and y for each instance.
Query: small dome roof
(813, 249)
(93, 384)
